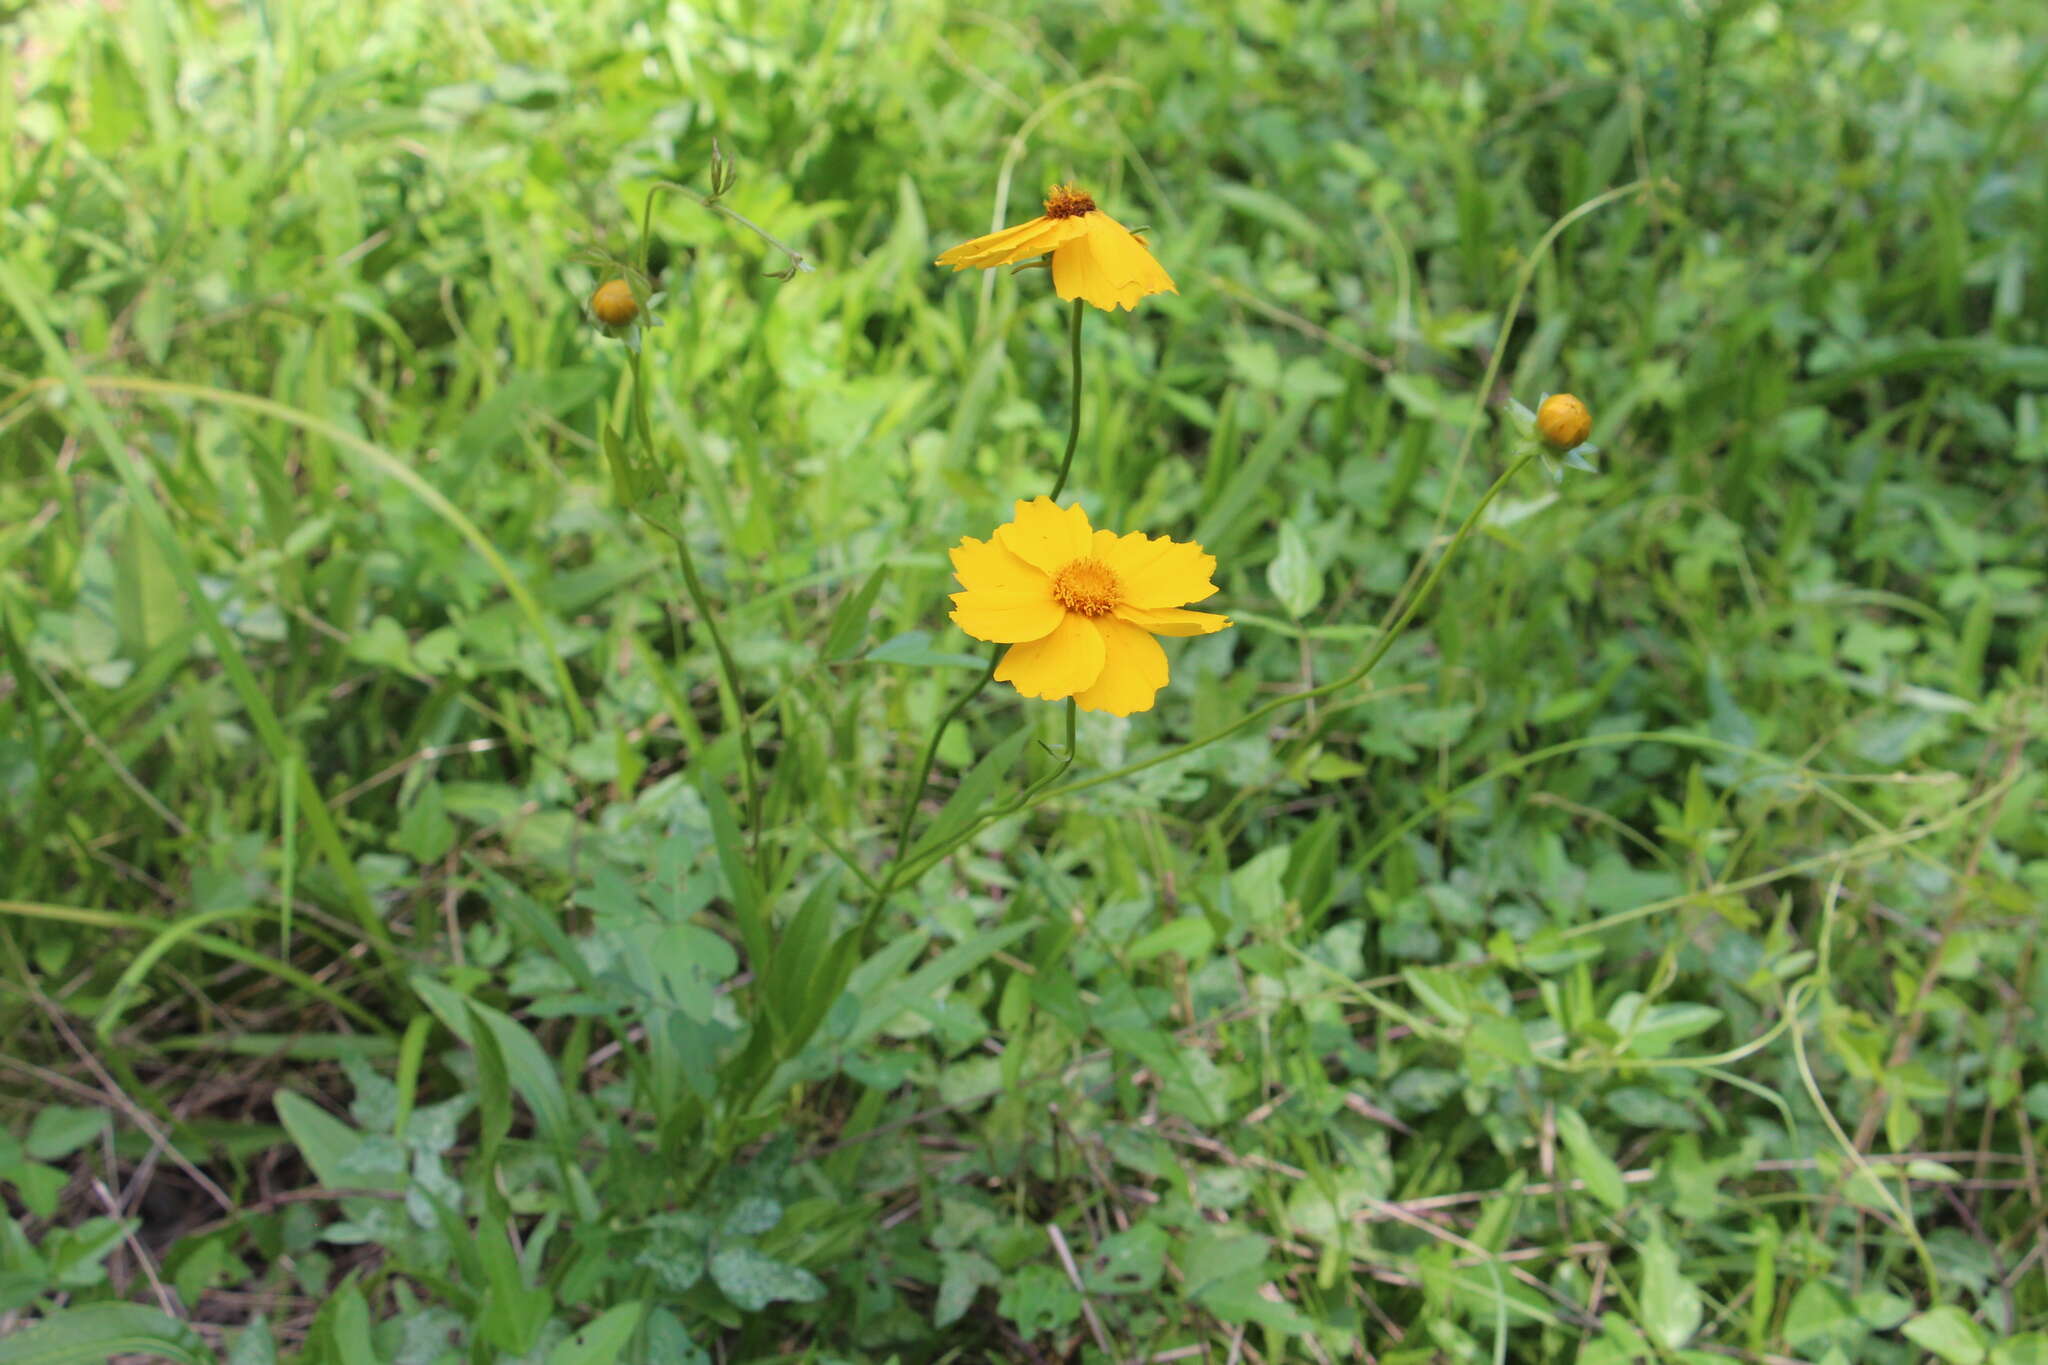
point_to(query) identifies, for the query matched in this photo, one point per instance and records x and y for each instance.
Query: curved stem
(728, 666)
(1073, 398)
(923, 773)
(797, 263)
(920, 780)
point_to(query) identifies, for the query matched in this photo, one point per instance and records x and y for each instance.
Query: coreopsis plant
(1079, 607)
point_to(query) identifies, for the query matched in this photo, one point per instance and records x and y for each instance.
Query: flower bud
(613, 304)
(1563, 421)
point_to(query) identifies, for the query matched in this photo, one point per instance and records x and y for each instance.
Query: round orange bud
(1563, 421)
(614, 304)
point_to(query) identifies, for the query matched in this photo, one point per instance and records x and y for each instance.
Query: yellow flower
(1079, 607)
(614, 304)
(1563, 421)
(1094, 257)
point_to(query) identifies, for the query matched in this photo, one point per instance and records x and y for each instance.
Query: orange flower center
(1067, 201)
(1087, 586)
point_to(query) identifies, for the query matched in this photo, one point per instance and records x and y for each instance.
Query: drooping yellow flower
(1079, 607)
(1094, 257)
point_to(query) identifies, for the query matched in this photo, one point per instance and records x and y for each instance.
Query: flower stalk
(919, 780)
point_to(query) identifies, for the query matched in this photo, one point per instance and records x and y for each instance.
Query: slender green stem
(797, 263)
(1073, 398)
(920, 779)
(728, 666)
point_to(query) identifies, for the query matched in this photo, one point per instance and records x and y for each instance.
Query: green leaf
(348, 1327)
(927, 981)
(1293, 576)
(61, 1129)
(756, 1213)
(1130, 1262)
(1189, 936)
(849, 624)
(330, 1146)
(99, 1332)
(531, 1073)
(802, 980)
(974, 795)
(2029, 1348)
(1270, 209)
(749, 902)
(1652, 1031)
(254, 1345)
(1672, 1306)
(425, 833)
(675, 1249)
(602, 1341)
(965, 1274)
(147, 609)
(1950, 1333)
(1590, 1160)
(514, 1311)
(753, 1280)
(914, 648)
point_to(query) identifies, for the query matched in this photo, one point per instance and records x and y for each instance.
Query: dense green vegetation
(1642, 963)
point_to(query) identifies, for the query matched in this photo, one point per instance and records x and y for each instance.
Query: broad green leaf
(348, 1327)
(531, 1073)
(1129, 1262)
(602, 1341)
(254, 1345)
(1672, 1306)
(1951, 1334)
(331, 1147)
(2028, 1348)
(1292, 574)
(1590, 1160)
(675, 1249)
(99, 1332)
(61, 1129)
(753, 1280)
(1189, 936)
(964, 1274)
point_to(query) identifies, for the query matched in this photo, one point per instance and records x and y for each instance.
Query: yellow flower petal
(1045, 535)
(1065, 662)
(1156, 572)
(1172, 620)
(1076, 275)
(1126, 262)
(1107, 266)
(1133, 670)
(1025, 240)
(1006, 618)
(985, 566)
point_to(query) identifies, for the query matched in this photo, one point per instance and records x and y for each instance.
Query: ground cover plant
(601, 760)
